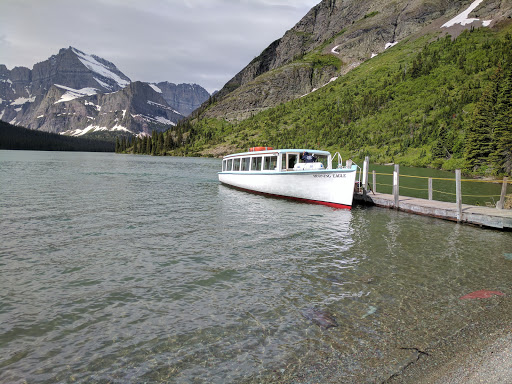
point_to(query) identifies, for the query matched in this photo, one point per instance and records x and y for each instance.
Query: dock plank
(471, 214)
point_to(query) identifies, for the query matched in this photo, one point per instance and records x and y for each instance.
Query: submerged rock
(320, 317)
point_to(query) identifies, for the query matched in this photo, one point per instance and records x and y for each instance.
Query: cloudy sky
(181, 41)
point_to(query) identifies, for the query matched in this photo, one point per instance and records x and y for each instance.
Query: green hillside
(430, 102)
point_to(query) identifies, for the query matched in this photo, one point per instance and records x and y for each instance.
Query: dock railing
(497, 200)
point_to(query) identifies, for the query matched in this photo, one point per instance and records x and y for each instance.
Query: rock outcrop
(351, 31)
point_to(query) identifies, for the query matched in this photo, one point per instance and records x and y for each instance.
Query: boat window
(246, 161)
(236, 164)
(270, 163)
(293, 158)
(283, 162)
(230, 165)
(256, 163)
(322, 159)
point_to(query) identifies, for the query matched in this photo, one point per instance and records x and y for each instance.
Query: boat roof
(275, 151)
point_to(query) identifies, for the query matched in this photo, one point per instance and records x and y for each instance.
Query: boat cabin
(275, 160)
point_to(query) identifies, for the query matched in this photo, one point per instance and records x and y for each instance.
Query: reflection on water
(132, 268)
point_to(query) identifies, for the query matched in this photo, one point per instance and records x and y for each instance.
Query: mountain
(76, 93)
(333, 38)
(437, 94)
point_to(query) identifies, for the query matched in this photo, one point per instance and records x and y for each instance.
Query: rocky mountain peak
(78, 93)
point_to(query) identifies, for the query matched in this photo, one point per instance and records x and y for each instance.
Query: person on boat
(308, 157)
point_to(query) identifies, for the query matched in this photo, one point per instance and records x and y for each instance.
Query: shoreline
(481, 352)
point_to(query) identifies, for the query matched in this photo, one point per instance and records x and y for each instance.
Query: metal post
(501, 203)
(365, 174)
(430, 189)
(374, 186)
(396, 184)
(458, 193)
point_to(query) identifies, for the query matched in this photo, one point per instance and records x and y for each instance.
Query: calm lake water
(118, 268)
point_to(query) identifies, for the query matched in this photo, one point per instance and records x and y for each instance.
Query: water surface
(118, 268)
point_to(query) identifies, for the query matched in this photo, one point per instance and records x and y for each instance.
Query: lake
(120, 268)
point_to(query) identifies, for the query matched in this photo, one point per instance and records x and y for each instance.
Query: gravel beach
(478, 353)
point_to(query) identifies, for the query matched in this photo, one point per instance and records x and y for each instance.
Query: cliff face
(184, 98)
(346, 31)
(76, 93)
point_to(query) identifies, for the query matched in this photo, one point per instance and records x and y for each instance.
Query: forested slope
(13, 137)
(433, 102)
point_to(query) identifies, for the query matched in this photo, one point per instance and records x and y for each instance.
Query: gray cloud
(190, 41)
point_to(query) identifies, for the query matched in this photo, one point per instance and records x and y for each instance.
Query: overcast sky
(181, 41)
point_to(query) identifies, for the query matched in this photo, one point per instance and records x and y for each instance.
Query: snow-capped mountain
(77, 93)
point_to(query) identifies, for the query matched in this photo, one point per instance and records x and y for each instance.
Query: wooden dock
(471, 214)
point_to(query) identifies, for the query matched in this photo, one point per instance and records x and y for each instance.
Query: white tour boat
(300, 174)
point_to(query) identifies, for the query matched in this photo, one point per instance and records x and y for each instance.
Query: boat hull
(334, 188)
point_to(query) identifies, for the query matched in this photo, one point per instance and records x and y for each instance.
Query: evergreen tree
(148, 145)
(168, 142)
(160, 143)
(479, 133)
(440, 147)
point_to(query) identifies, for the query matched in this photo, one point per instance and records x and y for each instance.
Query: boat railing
(359, 186)
(339, 159)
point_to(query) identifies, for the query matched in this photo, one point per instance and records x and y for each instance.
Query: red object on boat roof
(256, 149)
(482, 294)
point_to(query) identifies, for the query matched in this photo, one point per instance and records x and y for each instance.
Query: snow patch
(95, 66)
(119, 128)
(103, 84)
(74, 93)
(373, 55)
(81, 132)
(98, 108)
(163, 106)
(40, 116)
(94, 128)
(155, 88)
(22, 100)
(463, 18)
(316, 89)
(163, 120)
(334, 50)
(389, 45)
